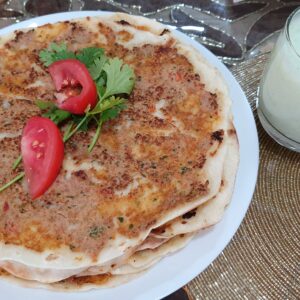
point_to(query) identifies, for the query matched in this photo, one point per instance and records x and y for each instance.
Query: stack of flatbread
(160, 173)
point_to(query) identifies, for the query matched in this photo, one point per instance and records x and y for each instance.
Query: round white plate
(178, 269)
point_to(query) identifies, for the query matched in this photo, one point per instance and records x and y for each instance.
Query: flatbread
(73, 284)
(138, 265)
(180, 230)
(210, 212)
(143, 259)
(161, 158)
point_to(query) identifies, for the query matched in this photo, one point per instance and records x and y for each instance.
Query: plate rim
(189, 273)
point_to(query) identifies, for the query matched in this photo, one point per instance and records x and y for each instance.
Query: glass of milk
(278, 104)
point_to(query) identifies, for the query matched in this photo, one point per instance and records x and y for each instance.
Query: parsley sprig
(113, 80)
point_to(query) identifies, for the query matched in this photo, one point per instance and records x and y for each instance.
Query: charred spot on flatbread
(189, 214)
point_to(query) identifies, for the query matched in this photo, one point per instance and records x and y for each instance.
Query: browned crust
(72, 281)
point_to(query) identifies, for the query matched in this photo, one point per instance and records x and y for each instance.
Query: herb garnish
(96, 231)
(16, 179)
(111, 76)
(184, 169)
(113, 80)
(121, 219)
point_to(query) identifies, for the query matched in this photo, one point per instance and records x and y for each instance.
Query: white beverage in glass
(279, 92)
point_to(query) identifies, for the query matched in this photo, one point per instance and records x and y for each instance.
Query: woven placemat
(263, 259)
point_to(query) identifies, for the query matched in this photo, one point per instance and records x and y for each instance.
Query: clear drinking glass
(278, 103)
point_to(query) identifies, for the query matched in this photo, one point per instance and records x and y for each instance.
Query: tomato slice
(75, 86)
(42, 150)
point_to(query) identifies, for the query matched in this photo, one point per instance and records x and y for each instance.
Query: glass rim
(287, 32)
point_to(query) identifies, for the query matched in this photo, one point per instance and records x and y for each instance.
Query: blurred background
(234, 30)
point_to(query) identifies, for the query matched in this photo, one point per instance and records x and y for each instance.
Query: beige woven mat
(263, 259)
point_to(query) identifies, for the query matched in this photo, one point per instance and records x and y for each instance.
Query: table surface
(263, 259)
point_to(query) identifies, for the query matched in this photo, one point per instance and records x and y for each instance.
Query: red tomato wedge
(75, 86)
(42, 150)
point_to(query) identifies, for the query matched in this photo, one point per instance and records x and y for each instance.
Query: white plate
(176, 270)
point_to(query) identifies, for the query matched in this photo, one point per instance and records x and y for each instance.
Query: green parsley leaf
(54, 53)
(107, 104)
(57, 115)
(43, 105)
(96, 69)
(52, 112)
(46, 57)
(96, 231)
(120, 78)
(77, 119)
(58, 47)
(89, 55)
(112, 112)
(100, 85)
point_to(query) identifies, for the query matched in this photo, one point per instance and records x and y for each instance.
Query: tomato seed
(65, 82)
(35, 143)
(39, 155)
(42, 145)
